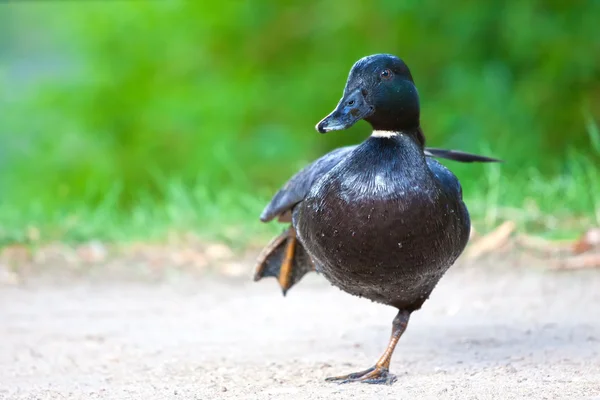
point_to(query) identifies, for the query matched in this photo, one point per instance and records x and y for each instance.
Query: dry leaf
(218, 251)
(588, 241)
(92, 253)
(16, 254)
(543, 245)
(492, 241)
(583, 261)
(8, 277)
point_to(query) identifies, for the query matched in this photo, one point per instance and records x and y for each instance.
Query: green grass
(557, 207)
(152, 119)
(228, 216)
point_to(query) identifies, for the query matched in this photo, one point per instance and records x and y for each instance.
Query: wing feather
(296, 189)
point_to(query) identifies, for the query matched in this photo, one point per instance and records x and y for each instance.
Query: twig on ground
(584, 261)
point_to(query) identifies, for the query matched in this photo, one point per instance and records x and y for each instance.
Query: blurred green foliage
(107, 104)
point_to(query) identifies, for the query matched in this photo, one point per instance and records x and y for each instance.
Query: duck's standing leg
(380, 374)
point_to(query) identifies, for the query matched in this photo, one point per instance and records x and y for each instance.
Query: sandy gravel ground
(506, 333)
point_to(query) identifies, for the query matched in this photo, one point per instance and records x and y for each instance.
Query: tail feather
(457, 155)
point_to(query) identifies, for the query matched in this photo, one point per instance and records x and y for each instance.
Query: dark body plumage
(387, 185)
(384, 223)
(381, 220)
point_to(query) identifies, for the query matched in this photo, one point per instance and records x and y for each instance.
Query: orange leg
(284, 259)
(380, 372)
(285, 274)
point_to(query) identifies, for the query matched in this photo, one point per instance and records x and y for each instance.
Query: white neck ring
(384, 134)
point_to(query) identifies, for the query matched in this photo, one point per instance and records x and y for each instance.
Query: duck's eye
(386, 74)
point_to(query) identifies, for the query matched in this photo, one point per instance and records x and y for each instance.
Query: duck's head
(380, 90)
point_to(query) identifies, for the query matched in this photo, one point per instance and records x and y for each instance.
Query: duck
(382, 220)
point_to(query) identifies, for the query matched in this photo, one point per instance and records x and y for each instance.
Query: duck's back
(385, 223)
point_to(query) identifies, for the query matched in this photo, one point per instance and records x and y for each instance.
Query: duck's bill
(351, 109)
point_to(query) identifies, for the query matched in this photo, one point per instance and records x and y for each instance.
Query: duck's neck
(395, 151)
(416, 134)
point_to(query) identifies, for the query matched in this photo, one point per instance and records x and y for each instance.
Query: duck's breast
(382, 224)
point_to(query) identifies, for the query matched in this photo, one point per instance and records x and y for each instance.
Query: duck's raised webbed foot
(285, 259)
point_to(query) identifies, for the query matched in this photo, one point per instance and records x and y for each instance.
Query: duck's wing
(445, 177)
(296, 189)
(457, 155)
